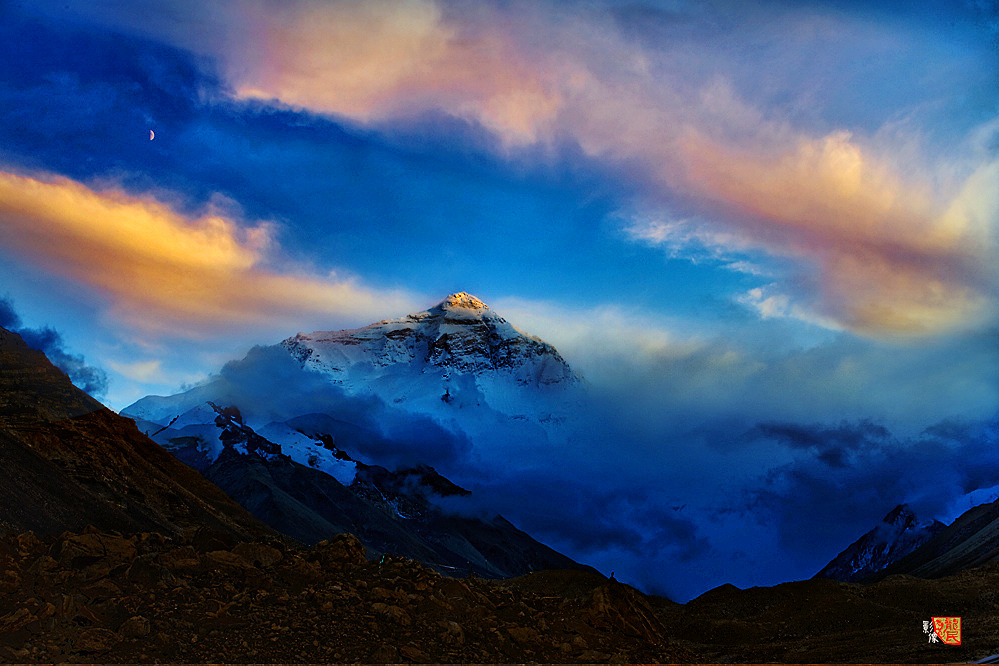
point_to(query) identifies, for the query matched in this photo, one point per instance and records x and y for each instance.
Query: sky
(765, 233)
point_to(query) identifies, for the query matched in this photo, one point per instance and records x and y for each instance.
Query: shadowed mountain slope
(826, 621)
(147, 598)
(328, 432)
(139, 596)
(66, 461)
(391, 511)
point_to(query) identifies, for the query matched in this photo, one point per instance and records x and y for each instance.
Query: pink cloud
(892, 260)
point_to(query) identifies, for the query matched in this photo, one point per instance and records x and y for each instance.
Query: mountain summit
(462, 300)
(460, 335)
(459, 363)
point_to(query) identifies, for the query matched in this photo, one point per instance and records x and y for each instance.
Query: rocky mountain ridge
(140, 598)
(898, 534)
(114, 598)
(971, 540)
(461, 335)
(458, 363)
(338, 431)
(207, 590)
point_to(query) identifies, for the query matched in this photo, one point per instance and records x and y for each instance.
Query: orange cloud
(163, 270)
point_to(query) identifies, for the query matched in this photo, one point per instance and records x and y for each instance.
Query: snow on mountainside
(459, 366)
(391, 511)
(460, 335)
(200, 435)
(897, 535)
(459, 352)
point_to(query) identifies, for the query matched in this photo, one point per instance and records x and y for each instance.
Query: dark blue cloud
(9, 318)
(822, 505)
(599, 518)
(367, 428)
(832, 445)
(82, 102)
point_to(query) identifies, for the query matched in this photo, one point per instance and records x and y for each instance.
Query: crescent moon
(151, 135)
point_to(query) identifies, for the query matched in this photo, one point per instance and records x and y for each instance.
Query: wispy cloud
(139, 371)
(372, 60)
(892, 252)
(162, 270)
(889, 257)
(695, 240)
(769, 302)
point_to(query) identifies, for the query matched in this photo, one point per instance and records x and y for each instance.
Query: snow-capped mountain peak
(461, 335)
(458, 368)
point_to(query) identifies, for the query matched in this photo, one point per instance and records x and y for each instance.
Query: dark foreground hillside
(97, 596)
(102, 597)
(66, 462)
(176, 571)
(826, 621)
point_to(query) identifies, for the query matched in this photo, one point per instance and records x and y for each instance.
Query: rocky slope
(897, 535)
(827, 621)
(199, 590)
(32, 390)
(105, 597)
(66, 462)
(113, 598)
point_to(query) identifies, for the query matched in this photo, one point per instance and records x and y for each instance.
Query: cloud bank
(663, 373)
(793, 143)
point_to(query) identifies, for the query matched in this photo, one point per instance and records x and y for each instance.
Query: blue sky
(719, 213)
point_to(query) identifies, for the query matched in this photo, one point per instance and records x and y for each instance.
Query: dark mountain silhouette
(93, 596)
(153, 578)
(111, 549)
(284, 431)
